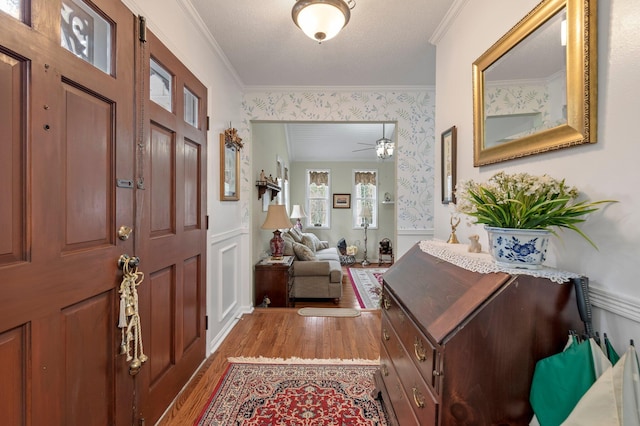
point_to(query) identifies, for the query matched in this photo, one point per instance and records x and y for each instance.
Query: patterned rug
(367, 285)
(295, 394)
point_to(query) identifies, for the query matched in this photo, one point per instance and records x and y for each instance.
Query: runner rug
(320, 393)
(367, 285)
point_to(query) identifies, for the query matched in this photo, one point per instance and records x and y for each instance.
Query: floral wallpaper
(413, 110)
(512, 99)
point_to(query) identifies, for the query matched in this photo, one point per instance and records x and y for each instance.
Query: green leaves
(523, 201)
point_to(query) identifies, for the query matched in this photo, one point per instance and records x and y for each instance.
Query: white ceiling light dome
(322, 20)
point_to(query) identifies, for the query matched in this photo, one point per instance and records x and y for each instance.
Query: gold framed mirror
(535, 90)
(229, 170)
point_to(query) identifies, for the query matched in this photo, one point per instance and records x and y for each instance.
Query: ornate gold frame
(229, 169)
(581, 126)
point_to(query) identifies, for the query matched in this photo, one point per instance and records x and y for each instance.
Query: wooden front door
(68, 181)
(67, 136)
(173, 227)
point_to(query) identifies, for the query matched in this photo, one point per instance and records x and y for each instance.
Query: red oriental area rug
(294, 394)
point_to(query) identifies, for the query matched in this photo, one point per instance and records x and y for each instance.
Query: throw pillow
(288, 248)
(296, 235)
(308, 241)
(303, 252)
(322, 245)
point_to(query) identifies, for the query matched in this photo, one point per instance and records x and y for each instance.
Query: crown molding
(288, 89)
(446, 22)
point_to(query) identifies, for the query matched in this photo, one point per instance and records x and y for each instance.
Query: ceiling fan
(384, 146)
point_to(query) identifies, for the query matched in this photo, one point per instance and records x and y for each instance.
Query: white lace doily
(458, 255)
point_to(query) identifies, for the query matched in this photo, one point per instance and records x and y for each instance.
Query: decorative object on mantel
(523, 202)
(453, 239)
(263, 183)
(474, 244)
(298, 213)
(276, 219)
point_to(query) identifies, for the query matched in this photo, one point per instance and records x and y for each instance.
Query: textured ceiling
(386, 43)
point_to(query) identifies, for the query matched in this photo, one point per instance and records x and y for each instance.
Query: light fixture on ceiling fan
(322, 20)
(384, 146)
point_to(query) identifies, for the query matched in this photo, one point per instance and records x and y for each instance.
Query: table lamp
(276, 219)
(297, 213)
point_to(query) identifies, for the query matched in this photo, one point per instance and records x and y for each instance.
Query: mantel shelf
(263, 185)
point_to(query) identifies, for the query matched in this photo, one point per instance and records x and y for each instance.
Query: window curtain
(365, 178)
(319, 178)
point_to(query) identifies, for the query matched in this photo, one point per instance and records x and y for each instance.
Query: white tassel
(122, 319)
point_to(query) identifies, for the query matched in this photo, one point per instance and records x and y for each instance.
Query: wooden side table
(273, 279)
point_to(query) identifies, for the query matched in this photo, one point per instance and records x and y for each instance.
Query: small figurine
(263, 178)
(265, 302)
(453, 239)
(474, 246)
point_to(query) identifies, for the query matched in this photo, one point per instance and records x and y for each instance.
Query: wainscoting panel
(225, 278)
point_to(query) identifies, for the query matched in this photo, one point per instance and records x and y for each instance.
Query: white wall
(228, 266)
(606, 170)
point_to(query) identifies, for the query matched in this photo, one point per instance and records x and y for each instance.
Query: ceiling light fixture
(322, 20)
(384, 146)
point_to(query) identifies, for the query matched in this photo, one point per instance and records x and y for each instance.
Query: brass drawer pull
(385, 334)
(418, 349)
(417, 398)
(386, 303)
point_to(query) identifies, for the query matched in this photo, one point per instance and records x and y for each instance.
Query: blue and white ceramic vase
(518, 248)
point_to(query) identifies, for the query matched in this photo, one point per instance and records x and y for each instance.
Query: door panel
(87, 174)
(173, 232)
(70, 135)
(13, 73)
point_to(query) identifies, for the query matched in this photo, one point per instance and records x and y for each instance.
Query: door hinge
(207, 123)
(206, 222)
(206, 322)
(142, 29)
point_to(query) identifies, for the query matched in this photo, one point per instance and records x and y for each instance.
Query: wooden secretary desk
(460, 347)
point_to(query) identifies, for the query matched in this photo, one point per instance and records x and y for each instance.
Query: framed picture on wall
(448, 178)
(341, 201)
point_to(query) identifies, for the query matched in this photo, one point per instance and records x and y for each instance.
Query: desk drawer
(420, 349)
(400, 403)
(421, 399)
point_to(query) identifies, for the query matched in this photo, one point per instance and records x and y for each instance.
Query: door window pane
(190, 107)
(12, 7)
(160, 85)
(86, 34)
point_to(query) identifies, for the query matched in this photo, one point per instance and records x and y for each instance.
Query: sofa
(317, 273)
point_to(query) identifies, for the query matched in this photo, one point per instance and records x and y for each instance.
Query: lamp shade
(297, 212)
(276, 219)
(321, 20)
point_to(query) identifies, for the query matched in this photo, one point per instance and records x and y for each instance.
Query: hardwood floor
(282, 333)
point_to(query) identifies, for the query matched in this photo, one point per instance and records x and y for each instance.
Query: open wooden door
(173, 227)
(67, 120)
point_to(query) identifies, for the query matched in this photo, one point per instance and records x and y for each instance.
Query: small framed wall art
(341, 201)
(448, 166)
